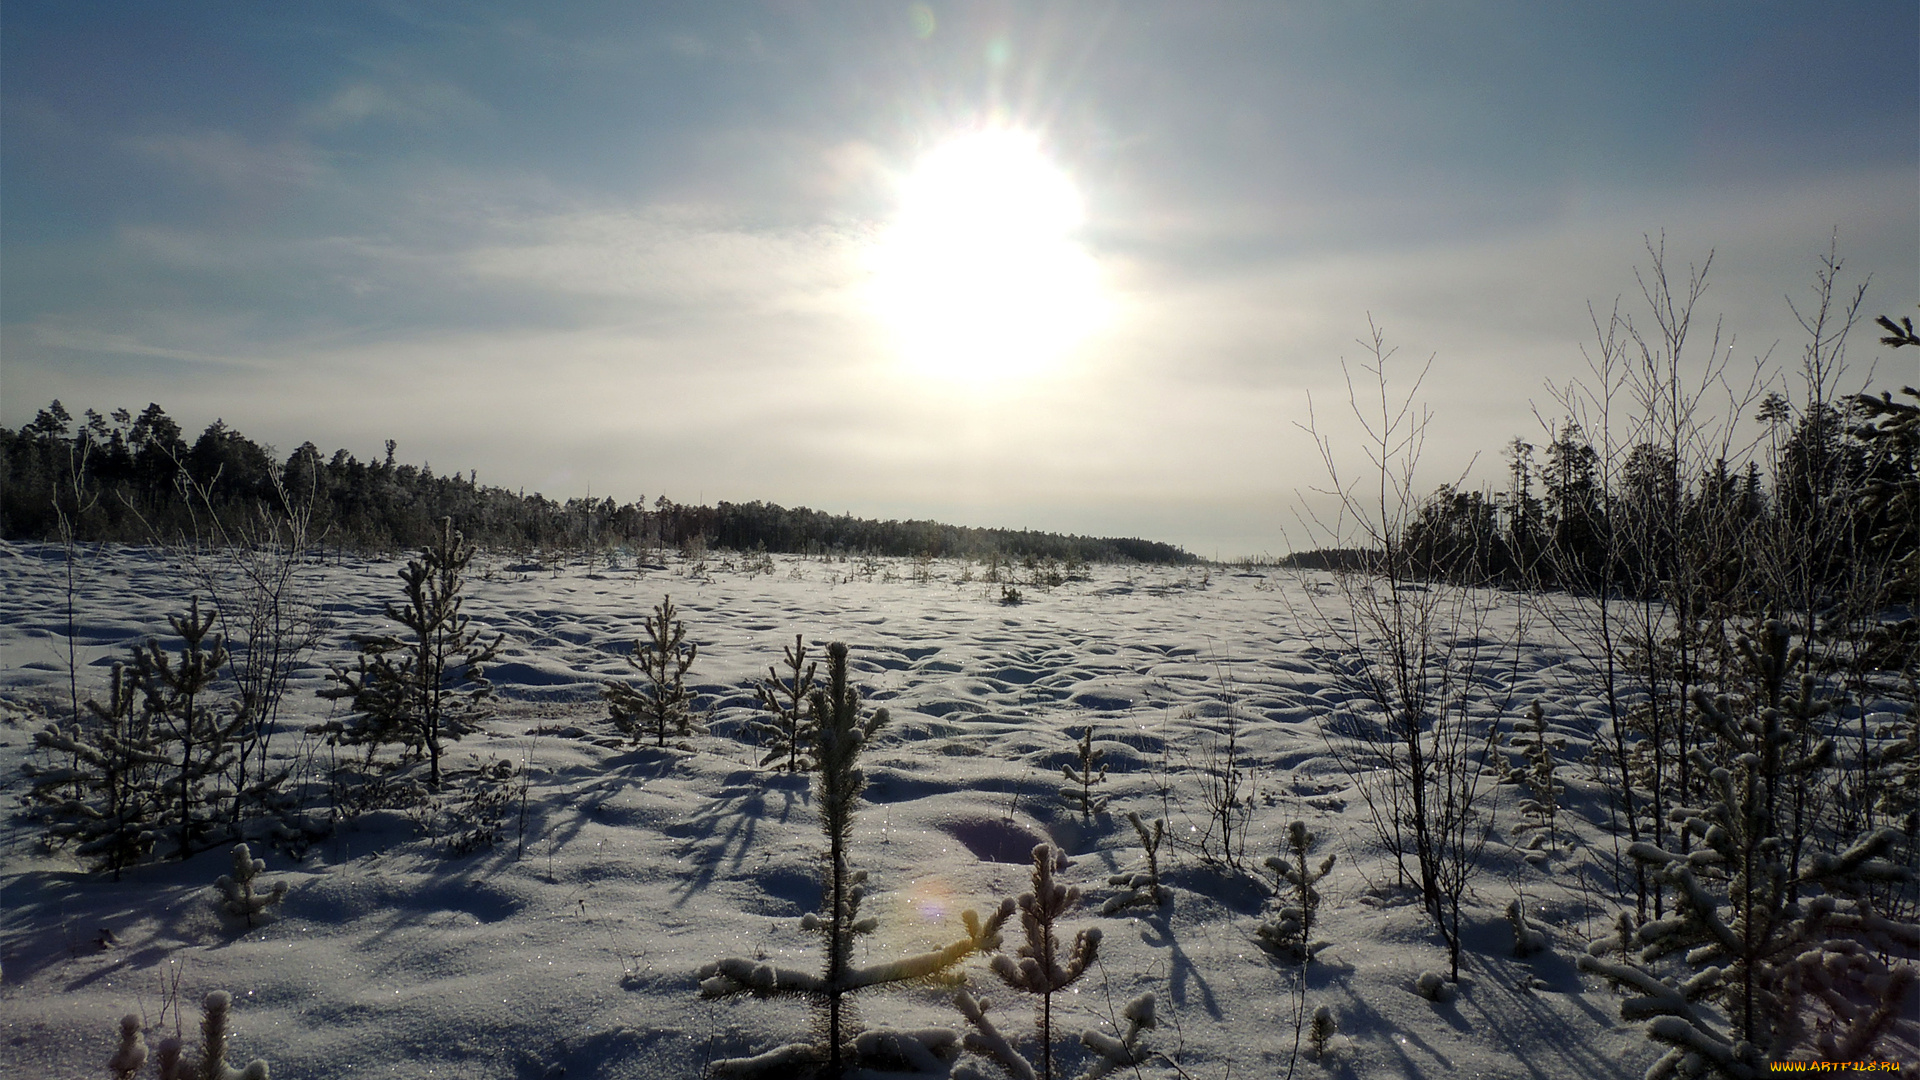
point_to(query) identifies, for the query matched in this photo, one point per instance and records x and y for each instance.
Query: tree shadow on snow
(721, 833)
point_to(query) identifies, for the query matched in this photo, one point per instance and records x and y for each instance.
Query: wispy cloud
(238, 167)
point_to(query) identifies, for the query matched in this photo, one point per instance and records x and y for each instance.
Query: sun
(980, 277)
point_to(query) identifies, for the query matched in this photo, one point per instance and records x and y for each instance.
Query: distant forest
(135, 479)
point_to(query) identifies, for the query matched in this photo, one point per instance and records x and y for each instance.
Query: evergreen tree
(1142, 885)
(661, 703)
(788, 732)
(105, 795)
(201, 736)
(426, 685)
(1538, 834)
(841, 734)
(239, 898)
(1767, 942)
(1043, 968)
(1290, 933)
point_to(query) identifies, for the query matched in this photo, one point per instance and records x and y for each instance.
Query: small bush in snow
(240, 898)
(1434, 987)
(1527, 939)
(1079, 790)
(1538, 833)
(1142, 885)
(1289, 934)
(1320, 1033)
(422, 687)
(104, 791)
(171, 1059)
(1773, 949)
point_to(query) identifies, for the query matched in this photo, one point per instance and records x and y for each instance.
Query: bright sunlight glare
(979, 278)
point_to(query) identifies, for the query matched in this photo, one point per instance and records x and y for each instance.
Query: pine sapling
(427, 685)
(1289, 934)
(240, 898)
(1127, 1051)
(201, 740)
(171, 1058)
(105, 795)
(1079, 790)
(1768, 944)
(1538, 832)
(841, 734)
(1142, 885)
(788, 731)
(1043, 968)
(661, 703)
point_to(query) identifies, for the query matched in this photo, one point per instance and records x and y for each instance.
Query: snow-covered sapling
(239, 897)
(478, 817)
(1129, 1049)
(426, 685)
(1537, 833)
(661, 703)
(1289, 933)
(1773, 949)
(1079, 790)
(840, 736)
(1043, 967)
(1527, 938)
(104, 791)
(1320, 1033)
(788, 731)
(132, 1054)
(1142, 885)
(1434, 987)
(201, 738)
(171, 1059)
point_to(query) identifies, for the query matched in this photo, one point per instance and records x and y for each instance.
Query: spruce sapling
(1538, 833)
(1289, 933)
(241, 901)
(1044, 966)
(1079, 790)
(1142, 885)
(662, 702)
(427, 685)
(840, 736)
(788, 732)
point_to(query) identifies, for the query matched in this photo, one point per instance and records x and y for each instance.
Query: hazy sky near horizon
(1066, 266)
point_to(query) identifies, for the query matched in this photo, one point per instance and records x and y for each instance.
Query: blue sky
(628, 246)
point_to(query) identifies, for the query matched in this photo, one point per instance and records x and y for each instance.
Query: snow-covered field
(574, 944)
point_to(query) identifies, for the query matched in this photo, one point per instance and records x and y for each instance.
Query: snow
(574, 942)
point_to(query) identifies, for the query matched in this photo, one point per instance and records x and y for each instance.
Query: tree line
(134, 478)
